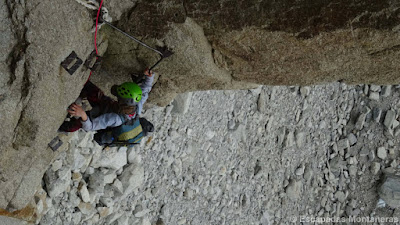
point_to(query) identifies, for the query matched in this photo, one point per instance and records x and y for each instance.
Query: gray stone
(392, 152)
(299, 171)
(86, 208)
(285, 183)
(76, 218)
(397, 132)
(375, 88)
(375, 167)
(124, 219)
(341, 197)
(290, 141)
(389, 119)
(360, 121)
(73, 198)
(132, 154)
(376, 114)
(395, 124)
(104, 211)
(343, 144)
(78, 160)
(117, 185)
(141, 213)
(305, 91)
(389, 190)
(353, 170)
(83, 191)
(109, 176)
(131, 178)
(232, 125)
(281, 135)
(109, 202)
(113, 217)
(365, 109)
(76, 177)
(371, 155)
(90, 170)
(374, 96)
(352, 139)
(64, 173)
(336, 165)
(181, 103)
(366, 89)
(262, 101)
(293, 190)
(57, 164)
(58, 186)
(308, 174)
(113, 158)
(4, 220)
(97, 182)
(146, 221)
(364, 152)
(381, 203)
(386, 90)
(300, 139)
(324, 201)
(394, 164)
(39, 207)
(381, 153)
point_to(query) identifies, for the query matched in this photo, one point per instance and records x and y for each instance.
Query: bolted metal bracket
(69, 60)
(55, 143)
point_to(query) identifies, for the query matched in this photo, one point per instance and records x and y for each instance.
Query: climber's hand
(76, 110)
(148, 72)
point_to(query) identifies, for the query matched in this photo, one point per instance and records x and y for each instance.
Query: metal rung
(89, 60)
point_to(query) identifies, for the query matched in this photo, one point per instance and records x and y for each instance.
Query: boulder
(113, 158)
(389, 190)
(57, 184)
(131, 178)
(181, 103)
(293, 190)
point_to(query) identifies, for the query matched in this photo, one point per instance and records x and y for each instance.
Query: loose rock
(381, 153)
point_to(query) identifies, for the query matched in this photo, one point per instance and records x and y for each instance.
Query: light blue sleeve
(102, 122)
(146, 88)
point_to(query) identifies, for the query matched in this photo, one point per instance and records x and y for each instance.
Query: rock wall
(35, 90)
(271, 43)
(216, 46)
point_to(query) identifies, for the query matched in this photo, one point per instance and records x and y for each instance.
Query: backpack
(128, 134)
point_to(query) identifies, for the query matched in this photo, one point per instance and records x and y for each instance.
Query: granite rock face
(264, 42)
(217, 45)
(35, 90)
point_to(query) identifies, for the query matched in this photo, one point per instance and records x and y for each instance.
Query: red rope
(95, 35)
(97, 21)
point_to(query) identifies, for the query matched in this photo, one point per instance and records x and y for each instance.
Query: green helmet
(129, 92)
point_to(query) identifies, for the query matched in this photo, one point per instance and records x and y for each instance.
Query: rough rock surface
(297, 157)
(281, 43)
(265, 42)
(389, 191)
(35, 90)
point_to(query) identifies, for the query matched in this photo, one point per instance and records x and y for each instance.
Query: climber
(108, 116)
